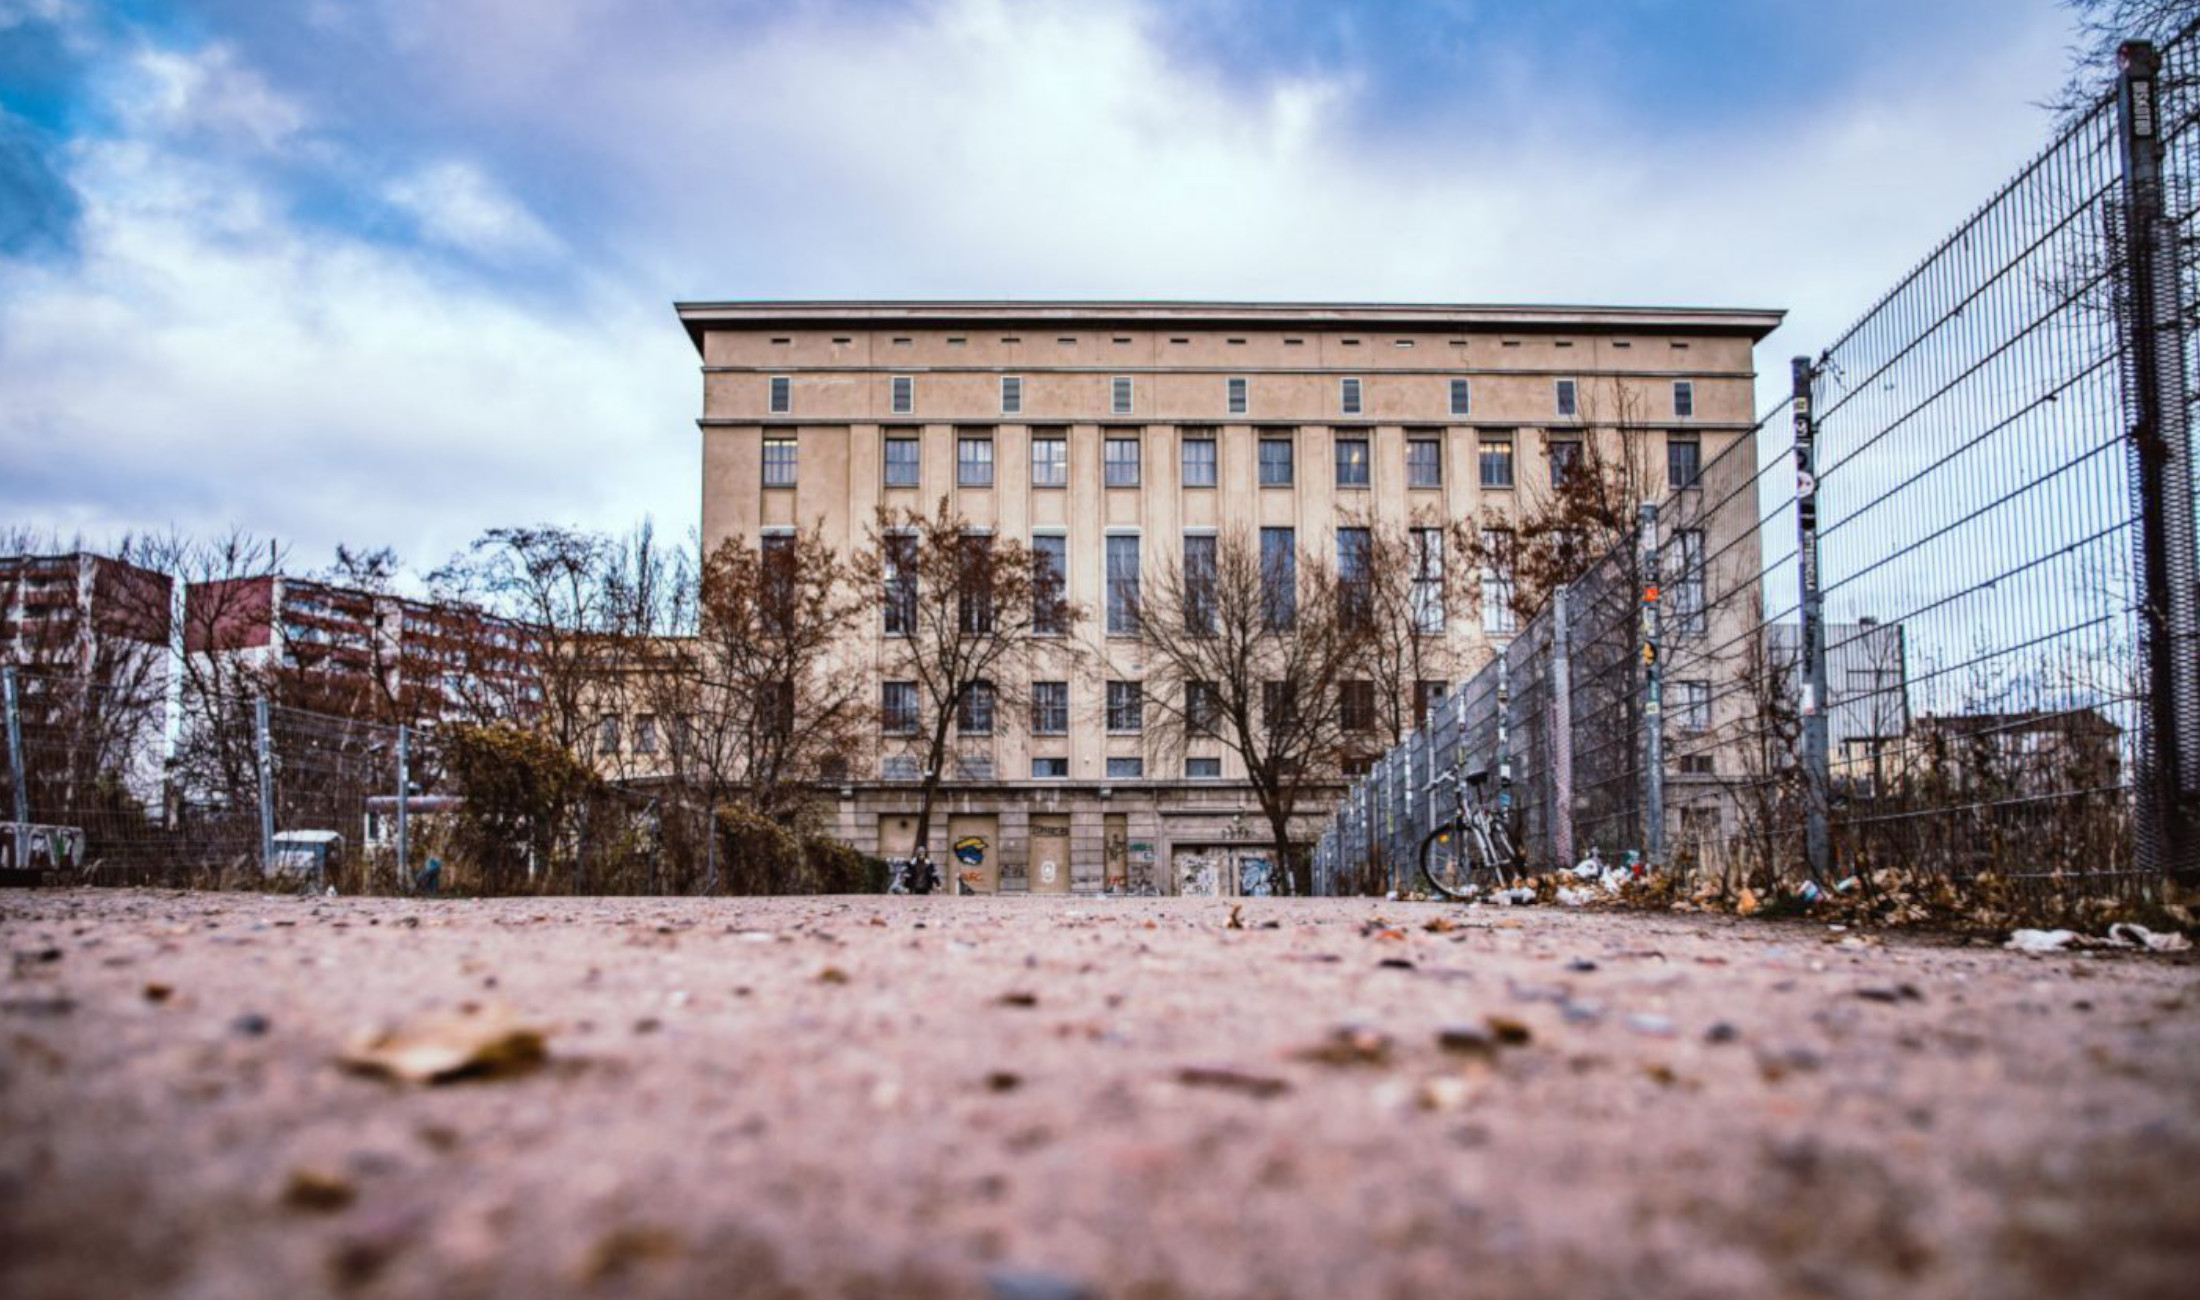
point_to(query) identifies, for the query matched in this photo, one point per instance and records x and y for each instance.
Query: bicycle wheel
(1450, 865)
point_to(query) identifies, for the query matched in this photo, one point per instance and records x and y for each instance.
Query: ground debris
(448, 1047)
(1231, 1079)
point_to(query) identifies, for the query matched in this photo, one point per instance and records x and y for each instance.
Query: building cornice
(699, 317)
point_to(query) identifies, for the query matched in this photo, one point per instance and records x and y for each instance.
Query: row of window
(1122, 461)
(1237, 396)
(1126, 707)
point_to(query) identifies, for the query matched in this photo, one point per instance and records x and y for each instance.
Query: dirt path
(1047, 1099)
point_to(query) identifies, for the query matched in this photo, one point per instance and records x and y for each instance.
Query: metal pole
(15, 771)
(267, 787)
(2161, 462)
(1562, 728)
(1653, 697)
(1811, 663)
(404, 796)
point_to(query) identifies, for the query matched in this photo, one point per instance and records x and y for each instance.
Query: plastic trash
(2040, 940)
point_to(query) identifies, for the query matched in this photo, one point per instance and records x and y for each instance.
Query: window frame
(1054, 621)
(901, 395)
(1059, 463)
(916, 461)
(779, 395)
(1012, 394)
(1290, 461)
(1113, 775)
(1695, 477)
(967, 708)
(790, 462)
(1050, 717)
(1462, 396)
(1237, 395)
(1109, 463)
(1566, 398)
(908, 714)
(1413, 476)
(1126, 697)
(963, 464)
(1482, 448)
(1684, 399)
(1212, 464)
(1057, 763)
(1351, 396)
(1124, 617)
(1122, 395)
(1366, 461)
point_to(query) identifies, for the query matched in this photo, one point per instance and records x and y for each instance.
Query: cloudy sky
(394, 271)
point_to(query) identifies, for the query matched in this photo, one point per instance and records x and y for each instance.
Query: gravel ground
(1082, 1097)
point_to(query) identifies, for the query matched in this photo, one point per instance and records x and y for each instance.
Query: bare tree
(1406, 591)
(556, 584)
(964, 611)
(1249, 650)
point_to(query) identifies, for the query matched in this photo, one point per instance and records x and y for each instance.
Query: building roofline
(760, 313)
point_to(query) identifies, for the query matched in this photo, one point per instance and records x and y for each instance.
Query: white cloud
(457, 206)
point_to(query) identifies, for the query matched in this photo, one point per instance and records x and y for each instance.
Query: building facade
(1110, 433)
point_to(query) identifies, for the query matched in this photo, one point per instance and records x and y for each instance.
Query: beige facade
(842, 381)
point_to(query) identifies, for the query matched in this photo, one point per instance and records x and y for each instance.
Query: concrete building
(1150, 422)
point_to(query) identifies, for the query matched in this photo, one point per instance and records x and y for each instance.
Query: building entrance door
(1049, 871)
(973, 852)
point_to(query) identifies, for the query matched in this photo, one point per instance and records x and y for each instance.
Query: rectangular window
(1565, 459)
(1050, 462)
(901, 584)
(1203, 769)
(1565, 393)
(1012, 395)
(1202, 708)
(1238, 396)
(1460, 398)
(974, 584)
(1126, 707)
(1199, 462)
(1275, 462)
(607, 734)
(1279, 578)
(1348, 396)
(1050, 708)
(1352, 462)
(1126, 769)
(1049, 769)
(1689, 609)
(1683, 462)
(898, 708)
(899, 767)
(782, 395)
(974, 462)
(1497, 582)
(1497, 462)
(645, 733)
(1684, 398)
(1122, 584)
(1049, 584)
(902, 462)
(1120, 395)
(1279, 705)
(775, 707)
(1693, 699)
(905, 394)
(1424, 462)
(1199, 583)
(1121, 462)
(1428, 581)
(1356, 706)
(779, 462)
(974, 716)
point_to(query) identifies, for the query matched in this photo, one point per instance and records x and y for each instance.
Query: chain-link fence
(1936, 613)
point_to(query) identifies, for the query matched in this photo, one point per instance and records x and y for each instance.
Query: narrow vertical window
(1012, 394)
(1199, 582)
(1460, 405)
(1497, 462)
(905, 394)
(900, 597)
(1683, 462)
(1684, 398)
(1049, 584)
(1122, 562)
(1428, 581)
(782, 395)
(779, 456)
(1120, 402)
(1237, 394)
(898, 708)
(1565, 392)
(1279, 578)
(1348, 396)
(1353, 548)
(1497, 581)
(1687, 582)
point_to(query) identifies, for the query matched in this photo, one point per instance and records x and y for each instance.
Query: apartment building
(1109, 434)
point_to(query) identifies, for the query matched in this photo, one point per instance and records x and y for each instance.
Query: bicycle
(1482, 859)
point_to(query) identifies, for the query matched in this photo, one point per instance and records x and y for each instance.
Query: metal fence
(1938, 612)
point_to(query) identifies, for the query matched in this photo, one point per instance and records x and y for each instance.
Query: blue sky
(394, 271)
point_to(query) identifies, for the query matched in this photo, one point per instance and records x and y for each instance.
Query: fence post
(1653, 695)
(2161, 467)
(1811, 660)
(266, 766)
(1562, 728)
(404, 796)
(15, 770)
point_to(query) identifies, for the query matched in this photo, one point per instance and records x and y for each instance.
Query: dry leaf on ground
(449, 1046)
